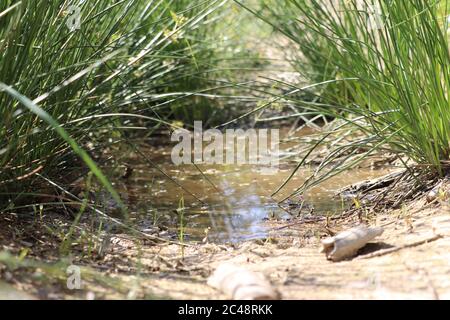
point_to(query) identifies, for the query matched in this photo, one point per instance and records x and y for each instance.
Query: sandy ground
(290, 258)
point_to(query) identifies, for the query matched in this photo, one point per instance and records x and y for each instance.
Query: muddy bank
(289, 257)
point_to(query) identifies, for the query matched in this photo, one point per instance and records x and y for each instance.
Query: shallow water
(234, 208)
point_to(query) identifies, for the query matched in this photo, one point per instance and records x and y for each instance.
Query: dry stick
(383, 194)
(391, 250)
(416, 187)
(27, 175)
(318, 219)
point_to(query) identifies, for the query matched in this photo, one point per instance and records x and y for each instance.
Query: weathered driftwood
(241, 284)
(346, 244)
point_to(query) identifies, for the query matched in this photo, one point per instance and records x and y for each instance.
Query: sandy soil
(290, 258)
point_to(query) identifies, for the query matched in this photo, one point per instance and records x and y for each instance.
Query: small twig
(391, 250)
(302, 221)
(25, 176)
(383, 194)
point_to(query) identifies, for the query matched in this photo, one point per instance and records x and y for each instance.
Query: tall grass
(128, 60)
(392, 60)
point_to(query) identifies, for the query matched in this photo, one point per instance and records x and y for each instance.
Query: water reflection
(235, 206)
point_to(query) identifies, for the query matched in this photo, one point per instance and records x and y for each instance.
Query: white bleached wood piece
(241, 284)
(347, 243)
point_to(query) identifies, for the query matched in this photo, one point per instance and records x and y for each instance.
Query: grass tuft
(392, 61)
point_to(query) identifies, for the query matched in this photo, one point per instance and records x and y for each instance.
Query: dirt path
(290, 259)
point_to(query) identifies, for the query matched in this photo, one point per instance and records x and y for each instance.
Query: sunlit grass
(62, 87)
(393, 75)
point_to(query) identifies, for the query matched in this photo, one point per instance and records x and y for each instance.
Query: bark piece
(347, 243)
(241, 284)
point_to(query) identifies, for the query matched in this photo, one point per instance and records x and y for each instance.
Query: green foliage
(391, 60)
(127, 57)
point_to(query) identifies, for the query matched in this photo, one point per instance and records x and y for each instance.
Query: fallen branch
(383, 252)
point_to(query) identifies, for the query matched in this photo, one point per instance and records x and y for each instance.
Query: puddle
(236, 206)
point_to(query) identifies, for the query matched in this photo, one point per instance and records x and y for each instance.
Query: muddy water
(223, 202)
